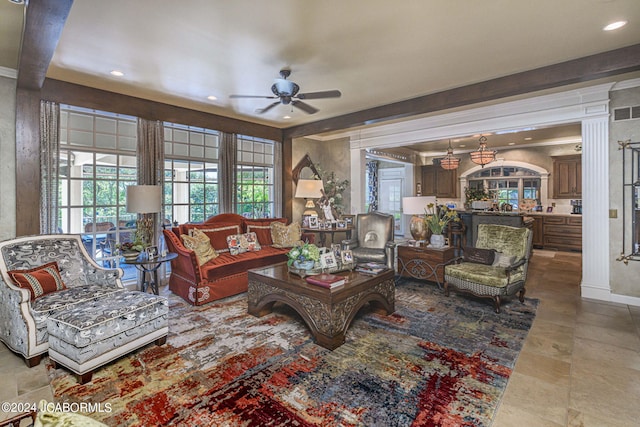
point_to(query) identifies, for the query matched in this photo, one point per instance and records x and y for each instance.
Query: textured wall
(7, 158)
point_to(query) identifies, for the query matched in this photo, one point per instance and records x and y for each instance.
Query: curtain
(372, 185)
(228, 178)
(49, 165)
(277, 179)
(150, 163)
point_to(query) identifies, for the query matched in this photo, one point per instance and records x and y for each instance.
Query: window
(97, 163)
(191, 173)
(255, 177)
(507, 184)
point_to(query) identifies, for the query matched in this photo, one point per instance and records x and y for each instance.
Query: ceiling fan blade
(318, 95)
(267, 108)
(252, 96)
(304, 107)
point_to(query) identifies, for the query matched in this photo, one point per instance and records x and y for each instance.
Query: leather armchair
(373, 240)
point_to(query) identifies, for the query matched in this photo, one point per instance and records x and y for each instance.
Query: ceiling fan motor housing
(284, 87)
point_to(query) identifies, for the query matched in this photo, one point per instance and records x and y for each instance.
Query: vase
(437, 241)
(131, 255)
(304, 265)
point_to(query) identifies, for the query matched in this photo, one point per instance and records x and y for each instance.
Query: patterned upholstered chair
(373, 241)
(84, 323)
(510, 250)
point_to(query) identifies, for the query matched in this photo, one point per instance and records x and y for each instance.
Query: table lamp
(415, 206)
(309, 189)
(144, 200)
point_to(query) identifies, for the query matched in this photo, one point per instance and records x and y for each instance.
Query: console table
(424, 262)
(149, 269)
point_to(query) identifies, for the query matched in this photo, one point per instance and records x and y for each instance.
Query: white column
(595, 205)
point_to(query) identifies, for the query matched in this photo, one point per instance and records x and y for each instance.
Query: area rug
(436, 361)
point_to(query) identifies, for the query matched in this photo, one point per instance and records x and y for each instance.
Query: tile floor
(580, 365)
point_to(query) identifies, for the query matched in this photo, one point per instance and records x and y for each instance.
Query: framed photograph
(152, 252)
(328, 260)
(335, 248)
(305, 221)
(347, 257)
(341, 224)
(313, 222)
(550, 209)
(322, 250)
(349, 220)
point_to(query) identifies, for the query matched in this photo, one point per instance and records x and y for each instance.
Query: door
(390, 198)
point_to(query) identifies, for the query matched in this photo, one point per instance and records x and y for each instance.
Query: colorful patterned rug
(436, 361)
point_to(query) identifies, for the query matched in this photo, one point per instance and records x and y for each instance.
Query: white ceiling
(374, 51)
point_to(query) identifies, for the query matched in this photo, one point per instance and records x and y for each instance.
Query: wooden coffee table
(327, 312)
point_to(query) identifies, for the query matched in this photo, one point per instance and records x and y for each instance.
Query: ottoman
(87, 337)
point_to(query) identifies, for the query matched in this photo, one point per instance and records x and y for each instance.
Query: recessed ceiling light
(528, 138)
(286, 117)
(212, 98)
(512, 143)
(615, 25)
(117, 73)
(462, 145)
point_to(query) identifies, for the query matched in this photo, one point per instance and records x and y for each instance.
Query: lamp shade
(416, 205)
(144, 198)
(309, 188)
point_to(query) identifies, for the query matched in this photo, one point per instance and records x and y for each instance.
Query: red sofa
(225, 275)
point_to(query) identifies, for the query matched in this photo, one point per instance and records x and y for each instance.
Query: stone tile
(544, 368)
(610, 336)
(510, 416)
(617, 321)
(579, 419)
(537, 397)
(551, 340)
(589, 351)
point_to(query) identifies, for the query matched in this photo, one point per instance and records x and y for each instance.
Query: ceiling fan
(287, 93)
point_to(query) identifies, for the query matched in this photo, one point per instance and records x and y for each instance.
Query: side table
(149, 269)
(424, 263)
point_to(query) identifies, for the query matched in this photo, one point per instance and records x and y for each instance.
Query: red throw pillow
(39, 280)
(262, 228)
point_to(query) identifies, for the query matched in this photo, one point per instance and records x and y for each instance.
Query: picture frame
(152, 252)
(341, 224)
(347, 257)
(328, 260)
(336, 249)
(305, 221)
(549, 209)
(349, 220)
(313, 222)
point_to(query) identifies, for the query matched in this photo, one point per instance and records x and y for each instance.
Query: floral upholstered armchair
(496, 267)
(23, 318)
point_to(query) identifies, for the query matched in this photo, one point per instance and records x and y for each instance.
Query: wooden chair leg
(85, 378)
(521, 295)
(496, 303)
(33, 361)
(161, 340)
(446, 289)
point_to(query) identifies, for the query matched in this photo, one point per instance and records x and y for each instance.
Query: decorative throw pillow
(503, 260)
(262, 228)
(240, 243)
(478, 255)
(40, 280)
(286, 236)
(199, 243)
(217, 234)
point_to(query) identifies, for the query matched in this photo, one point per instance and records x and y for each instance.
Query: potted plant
(436, 219)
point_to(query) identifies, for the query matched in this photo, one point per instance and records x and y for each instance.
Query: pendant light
(482, 155)
(449, 162)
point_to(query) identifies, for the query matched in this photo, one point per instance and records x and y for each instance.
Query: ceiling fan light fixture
(449, 162)
(483, 156)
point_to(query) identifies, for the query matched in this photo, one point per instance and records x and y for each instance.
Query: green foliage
(471, 194)
(437, 217)
(306, 252)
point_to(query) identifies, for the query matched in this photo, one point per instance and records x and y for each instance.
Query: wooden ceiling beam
(44, 21)
(614, 62)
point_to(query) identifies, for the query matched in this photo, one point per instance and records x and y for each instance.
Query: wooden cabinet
(538, 233)
(424, 263)
(562, 232)
(567, 177)
(439, 182)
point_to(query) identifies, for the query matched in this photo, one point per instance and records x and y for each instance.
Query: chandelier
(483, 156)
(449, 162)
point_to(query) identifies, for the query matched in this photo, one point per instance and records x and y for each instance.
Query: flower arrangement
(437, 217)
(305, 252)
(136, 246)
(333, 188)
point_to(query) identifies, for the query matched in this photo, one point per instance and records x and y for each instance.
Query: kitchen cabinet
(562, 232)
(567, 177)
(439, 182)
(538, 233)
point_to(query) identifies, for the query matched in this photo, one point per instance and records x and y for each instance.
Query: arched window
(508, 184)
